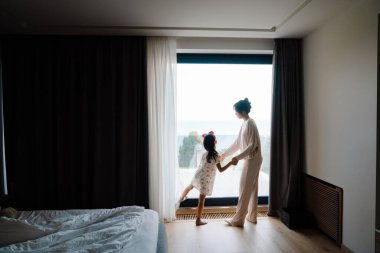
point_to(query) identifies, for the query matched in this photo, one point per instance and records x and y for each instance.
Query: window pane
(205, 97)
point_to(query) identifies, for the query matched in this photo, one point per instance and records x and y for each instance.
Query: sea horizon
(220, 127)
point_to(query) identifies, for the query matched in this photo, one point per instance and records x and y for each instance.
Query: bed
(122, 229)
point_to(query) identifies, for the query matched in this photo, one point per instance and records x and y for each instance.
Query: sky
(207, 92)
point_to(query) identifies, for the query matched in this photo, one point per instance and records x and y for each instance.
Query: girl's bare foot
(199, 222)
(183, 199)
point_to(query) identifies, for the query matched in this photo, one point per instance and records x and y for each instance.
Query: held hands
(234, 161)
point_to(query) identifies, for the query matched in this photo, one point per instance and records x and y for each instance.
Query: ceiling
(200, 18)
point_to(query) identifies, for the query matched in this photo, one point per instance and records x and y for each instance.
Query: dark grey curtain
(287, 134)
(3, 171)
(76, 125)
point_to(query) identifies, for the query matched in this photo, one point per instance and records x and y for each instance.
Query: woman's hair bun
(243, 106)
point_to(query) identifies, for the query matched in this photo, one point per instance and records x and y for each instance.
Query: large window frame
(211, 58)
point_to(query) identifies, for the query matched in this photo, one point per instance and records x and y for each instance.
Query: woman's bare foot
(199, 222)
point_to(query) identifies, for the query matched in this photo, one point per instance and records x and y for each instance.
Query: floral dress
(204, 177)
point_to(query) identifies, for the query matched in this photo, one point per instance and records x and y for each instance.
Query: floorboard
(268, 235)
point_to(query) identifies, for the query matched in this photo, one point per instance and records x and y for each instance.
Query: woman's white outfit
(248, 141)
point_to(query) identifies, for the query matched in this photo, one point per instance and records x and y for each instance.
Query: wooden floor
(269, 235)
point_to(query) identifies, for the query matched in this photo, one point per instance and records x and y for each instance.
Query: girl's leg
(185, 192)
(201, 203)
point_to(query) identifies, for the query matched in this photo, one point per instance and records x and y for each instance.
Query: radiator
(325, 202)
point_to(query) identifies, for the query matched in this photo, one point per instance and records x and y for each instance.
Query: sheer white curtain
(162, 77)
(3, 172)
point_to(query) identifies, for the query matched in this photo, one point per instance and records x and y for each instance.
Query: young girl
(204, 177)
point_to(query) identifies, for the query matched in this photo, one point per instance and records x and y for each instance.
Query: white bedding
(123, 229)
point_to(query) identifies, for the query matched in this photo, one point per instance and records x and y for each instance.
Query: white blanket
(121, 229)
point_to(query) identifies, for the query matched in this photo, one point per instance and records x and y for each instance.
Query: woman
(248, 141)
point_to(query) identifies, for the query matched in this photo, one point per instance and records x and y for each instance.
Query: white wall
(340, 64)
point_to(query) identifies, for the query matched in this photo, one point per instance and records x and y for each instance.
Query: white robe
(248, 141)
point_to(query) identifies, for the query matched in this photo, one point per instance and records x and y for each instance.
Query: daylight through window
(206, 93)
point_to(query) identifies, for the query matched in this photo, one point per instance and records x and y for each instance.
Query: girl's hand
(234, 161)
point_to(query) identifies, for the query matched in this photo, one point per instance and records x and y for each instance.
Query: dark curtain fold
(76, 126)
(287, 157)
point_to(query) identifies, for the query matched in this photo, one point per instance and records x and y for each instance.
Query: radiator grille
(216, 213)
(325, 202)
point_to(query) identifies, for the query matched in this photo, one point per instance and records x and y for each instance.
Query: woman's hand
(222, 156)
(234, 161)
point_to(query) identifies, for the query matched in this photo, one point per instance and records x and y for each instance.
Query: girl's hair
(243, 106)
(209, 144)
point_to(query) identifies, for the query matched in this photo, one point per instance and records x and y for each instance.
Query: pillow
(9, 212)
(15, 231)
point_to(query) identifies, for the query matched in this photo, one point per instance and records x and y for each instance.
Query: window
(207, 87)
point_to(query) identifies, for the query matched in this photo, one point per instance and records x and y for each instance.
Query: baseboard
(345, 248)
